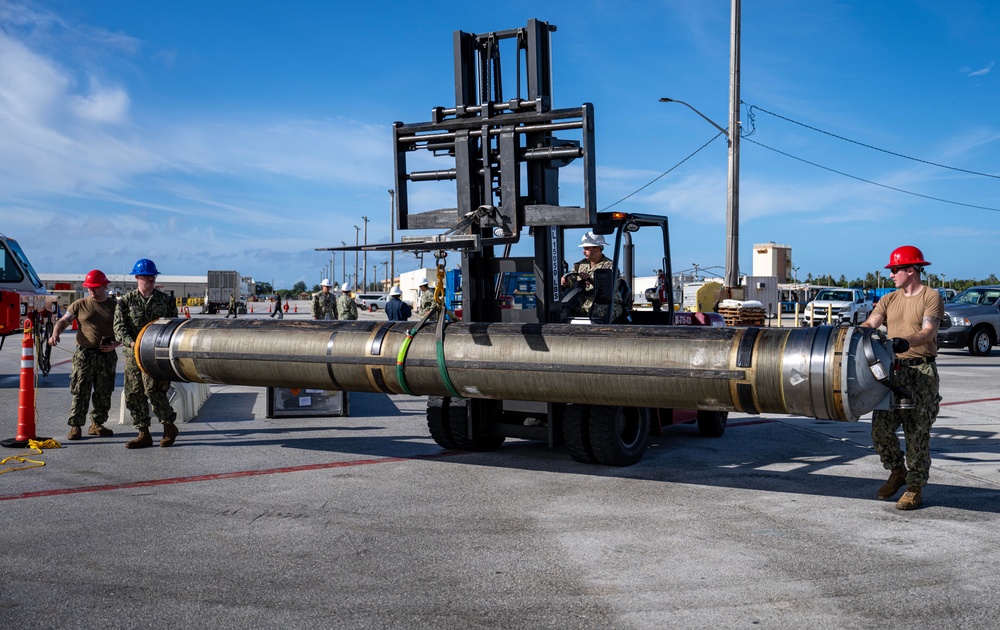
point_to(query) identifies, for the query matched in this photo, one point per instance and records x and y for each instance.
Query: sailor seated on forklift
(580, 283)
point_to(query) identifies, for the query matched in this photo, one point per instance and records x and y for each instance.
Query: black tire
(618, 435)
(575, 432)
(438, 422)
(712, 423)
(981, 342)
(373, 308)
(459, 418)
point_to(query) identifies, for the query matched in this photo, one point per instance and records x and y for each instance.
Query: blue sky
(243, 135)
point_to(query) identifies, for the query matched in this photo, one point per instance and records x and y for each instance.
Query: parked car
(972, 319)
(372, 301)
(839, 307)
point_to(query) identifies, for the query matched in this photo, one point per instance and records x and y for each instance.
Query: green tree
(264, 288)
(299, 287)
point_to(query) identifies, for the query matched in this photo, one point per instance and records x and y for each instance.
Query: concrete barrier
(185, 398)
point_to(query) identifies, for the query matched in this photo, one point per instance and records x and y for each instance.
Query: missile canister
(821, 372)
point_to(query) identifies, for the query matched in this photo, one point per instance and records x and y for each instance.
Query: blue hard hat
(144, 267)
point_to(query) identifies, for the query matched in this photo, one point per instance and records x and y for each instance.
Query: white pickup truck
(837, 306)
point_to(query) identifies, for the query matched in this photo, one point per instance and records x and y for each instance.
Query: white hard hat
(325, 283)
(347, 288)
(395, 291)
(424, 283)
(593, 240)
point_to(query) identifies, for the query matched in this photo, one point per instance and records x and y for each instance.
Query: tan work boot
(142, 440)
(99, 430)
(75, 433)
(897, 479)
(911, 499)
(169, 434)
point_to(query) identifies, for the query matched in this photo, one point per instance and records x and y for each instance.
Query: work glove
(900, 345)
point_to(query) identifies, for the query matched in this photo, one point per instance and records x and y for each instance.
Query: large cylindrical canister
(822, 372)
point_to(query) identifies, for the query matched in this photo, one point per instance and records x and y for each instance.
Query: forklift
(504, 156)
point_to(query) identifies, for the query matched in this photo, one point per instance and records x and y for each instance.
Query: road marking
(212, 477)
(968, 402)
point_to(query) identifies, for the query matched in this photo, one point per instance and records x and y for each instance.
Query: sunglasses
(145, 277)
(898, 269)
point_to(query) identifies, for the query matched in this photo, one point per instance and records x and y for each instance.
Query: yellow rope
(36, 447)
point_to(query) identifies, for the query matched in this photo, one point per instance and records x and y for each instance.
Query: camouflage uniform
(134, 312)
(585, 307)
(347, 308)
(93, 377)
(425, 302)
(324, 305)
(923, 382)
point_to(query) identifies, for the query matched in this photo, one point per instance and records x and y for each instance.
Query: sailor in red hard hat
(95, 361)
(911, 314)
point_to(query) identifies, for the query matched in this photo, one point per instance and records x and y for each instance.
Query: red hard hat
(95, 278)
(906, 255)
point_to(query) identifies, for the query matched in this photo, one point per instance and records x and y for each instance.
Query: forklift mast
(505, 160)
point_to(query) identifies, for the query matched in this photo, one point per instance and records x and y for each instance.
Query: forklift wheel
(438, 408)
(618, 435)
(712, 423)
(575, 430)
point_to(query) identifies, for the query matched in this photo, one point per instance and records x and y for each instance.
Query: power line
(868, 181)
(868, 146)
(663, 174)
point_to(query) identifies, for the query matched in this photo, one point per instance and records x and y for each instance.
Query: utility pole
(733, 196)
(392, 234)
(343, 265)
(364, 267)
(357, 230)
(375, 277)
(389, 280)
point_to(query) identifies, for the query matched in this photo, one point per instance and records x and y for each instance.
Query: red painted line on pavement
(967, 402)
(212, 477)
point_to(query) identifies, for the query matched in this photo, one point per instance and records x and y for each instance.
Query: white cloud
(981, 71)
(101, 104)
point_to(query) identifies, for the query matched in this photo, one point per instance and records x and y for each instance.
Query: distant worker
(582, 276)
(134, 310)
(95, 359)
(324, 305)
(911, 314)
(397, 310)
(277, 307)
(232, 306)
(347, 308)
(425, 298)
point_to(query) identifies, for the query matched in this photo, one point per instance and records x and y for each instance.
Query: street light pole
(733, 136)
(364, 257)
(343, 265)
(375, 277)
(357, 231)
(733, 196)
(392, 233)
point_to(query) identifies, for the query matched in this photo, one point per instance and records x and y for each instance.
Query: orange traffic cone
(26, 399)
(296, 308)
(251, 308)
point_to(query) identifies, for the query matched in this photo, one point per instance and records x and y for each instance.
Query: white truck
(222, 284)
(837, 307)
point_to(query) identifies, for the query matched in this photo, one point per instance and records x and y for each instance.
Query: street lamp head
(666, 100)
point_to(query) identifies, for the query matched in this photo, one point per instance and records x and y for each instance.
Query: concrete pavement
(364, 522)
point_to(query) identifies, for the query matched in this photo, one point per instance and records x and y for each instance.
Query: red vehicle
(24, 297)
